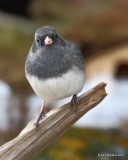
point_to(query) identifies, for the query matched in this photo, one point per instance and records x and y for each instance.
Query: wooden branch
(29, 142)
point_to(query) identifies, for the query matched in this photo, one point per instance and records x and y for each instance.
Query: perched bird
(54, 68)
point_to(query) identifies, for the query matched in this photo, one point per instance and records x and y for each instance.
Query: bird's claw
(74, 102)
(41, 115)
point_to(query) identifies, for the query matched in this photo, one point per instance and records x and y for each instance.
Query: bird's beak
(48, 41)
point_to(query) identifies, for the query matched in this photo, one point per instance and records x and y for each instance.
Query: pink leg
(42, 113)
(74, 102)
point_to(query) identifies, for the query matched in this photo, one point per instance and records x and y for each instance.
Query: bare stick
(29, 142)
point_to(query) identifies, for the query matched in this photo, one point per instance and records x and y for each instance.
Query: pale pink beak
(48, 41)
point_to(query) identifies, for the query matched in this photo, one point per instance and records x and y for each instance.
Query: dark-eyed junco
(54, 68)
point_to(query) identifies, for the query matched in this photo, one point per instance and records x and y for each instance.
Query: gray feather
(53, 61)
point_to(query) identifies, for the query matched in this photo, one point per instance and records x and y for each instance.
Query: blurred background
(100, 29)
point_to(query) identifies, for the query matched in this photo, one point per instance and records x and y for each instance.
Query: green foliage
(13, 39)
(81, 144)
(14, 46)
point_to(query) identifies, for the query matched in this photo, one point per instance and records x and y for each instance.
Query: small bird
(55, 68)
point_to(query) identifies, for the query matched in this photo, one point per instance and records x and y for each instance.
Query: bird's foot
(41, 115)
(74, 102)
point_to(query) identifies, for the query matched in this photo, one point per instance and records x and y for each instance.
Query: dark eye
(54, 37)
(37, 40)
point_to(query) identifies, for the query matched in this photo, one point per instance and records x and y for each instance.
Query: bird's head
(45, 36)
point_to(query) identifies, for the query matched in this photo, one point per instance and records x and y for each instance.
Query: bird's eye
(37, 40)
(54, 37)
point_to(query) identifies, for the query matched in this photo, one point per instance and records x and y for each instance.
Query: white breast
(67, 85)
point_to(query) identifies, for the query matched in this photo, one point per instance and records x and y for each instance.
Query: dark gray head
(45, 36)
(49, 55)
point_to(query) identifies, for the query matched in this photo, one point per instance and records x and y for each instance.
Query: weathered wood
(29, 142)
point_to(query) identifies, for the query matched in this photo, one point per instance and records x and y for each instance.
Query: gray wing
(77, 57)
